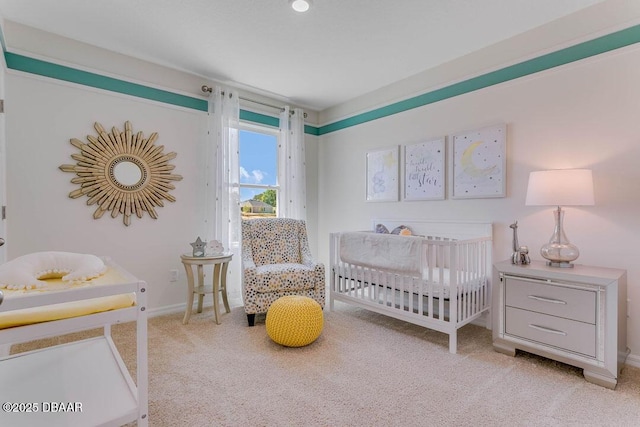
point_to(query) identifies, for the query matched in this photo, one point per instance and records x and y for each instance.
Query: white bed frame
(88, 376)
(459, 251)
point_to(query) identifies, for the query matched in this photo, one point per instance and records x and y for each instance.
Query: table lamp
(568, 187)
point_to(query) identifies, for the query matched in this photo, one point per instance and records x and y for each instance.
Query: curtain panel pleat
(292, 197)
(223, 195)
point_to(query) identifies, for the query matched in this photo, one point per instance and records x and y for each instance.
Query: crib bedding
(68, 309)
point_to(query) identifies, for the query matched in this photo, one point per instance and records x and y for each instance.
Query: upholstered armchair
(276, 261)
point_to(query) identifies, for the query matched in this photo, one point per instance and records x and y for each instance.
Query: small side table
(220, 264)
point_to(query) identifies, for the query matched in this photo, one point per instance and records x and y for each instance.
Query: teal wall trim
(60, 72)
(580, 51)
(68, 74)
(262, 119)
(311, 130)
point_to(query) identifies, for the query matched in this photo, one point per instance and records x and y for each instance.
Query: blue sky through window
(258, 161)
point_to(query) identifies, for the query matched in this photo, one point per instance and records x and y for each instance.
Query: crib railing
(454, 286)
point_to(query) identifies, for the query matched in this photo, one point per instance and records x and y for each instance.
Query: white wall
(43, 115)
(584, 115)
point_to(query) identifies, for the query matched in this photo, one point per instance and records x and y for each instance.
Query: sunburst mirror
(123, 173)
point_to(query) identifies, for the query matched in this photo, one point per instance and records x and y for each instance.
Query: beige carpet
(364, 370)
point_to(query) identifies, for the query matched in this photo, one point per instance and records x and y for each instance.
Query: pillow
(29, 271)
(380, 228)
(402, 230)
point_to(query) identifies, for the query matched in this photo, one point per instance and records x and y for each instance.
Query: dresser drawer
(570, 303)
(566, 334)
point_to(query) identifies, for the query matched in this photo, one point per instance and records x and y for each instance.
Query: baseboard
(176, 308)
(633, 360)
(168, 309)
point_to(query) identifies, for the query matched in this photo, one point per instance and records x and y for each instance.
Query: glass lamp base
(559, 252)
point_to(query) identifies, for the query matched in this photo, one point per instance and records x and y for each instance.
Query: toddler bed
(82, 382)
(439, 277)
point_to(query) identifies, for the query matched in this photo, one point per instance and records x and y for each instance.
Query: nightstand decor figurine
(215, 248)
(198, 247)
(520, 254)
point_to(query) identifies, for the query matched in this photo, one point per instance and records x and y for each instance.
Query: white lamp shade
(567, 187)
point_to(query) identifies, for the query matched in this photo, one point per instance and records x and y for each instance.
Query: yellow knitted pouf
(294, 321)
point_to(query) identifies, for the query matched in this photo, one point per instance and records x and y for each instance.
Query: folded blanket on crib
(390, 252)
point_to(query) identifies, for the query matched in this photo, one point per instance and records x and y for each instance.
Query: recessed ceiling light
(300, 5)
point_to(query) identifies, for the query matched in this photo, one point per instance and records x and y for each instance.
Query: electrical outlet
(173, 275)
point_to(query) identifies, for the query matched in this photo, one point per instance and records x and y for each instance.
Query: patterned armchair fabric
(276, 261)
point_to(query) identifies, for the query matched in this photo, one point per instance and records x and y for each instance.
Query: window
(258, 160)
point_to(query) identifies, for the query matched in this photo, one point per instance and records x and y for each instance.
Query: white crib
(439, 278)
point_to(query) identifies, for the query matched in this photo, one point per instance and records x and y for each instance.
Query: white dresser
(574, 315)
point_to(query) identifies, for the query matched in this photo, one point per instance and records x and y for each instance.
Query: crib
(438, 278)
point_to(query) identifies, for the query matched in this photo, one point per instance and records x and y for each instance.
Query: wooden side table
(219, 285)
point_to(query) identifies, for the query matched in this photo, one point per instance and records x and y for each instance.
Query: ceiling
(337, 51)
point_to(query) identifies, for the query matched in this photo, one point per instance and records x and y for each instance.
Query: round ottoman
(294, 321)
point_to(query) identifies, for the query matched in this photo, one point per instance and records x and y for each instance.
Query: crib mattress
(436, 287)
(68, 309)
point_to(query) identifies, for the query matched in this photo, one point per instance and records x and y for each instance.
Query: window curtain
(222, 192)
(223, 207)
(292, 197)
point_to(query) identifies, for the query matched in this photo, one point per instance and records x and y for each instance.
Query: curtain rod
(209, 89)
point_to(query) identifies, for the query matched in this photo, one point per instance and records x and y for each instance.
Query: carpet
(365, 369)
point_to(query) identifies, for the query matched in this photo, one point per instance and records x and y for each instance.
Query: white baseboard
(633, 360)
(167, 309)
(176, 308)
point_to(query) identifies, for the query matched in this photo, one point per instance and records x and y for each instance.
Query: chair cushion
(275, 242)
(283, 277)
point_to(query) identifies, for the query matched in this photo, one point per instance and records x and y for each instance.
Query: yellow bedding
(68, 309)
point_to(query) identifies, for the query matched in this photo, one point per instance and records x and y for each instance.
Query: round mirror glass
(127, 173)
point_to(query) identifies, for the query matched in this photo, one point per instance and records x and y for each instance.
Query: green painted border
(60, 72)
(262, 119)
(68, 74)
(564, 56)
(580, 51)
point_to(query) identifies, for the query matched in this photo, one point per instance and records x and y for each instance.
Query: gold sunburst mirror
(123, 173)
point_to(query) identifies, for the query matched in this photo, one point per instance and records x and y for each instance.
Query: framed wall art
(424, 170)
(479, 163)
(382, 175)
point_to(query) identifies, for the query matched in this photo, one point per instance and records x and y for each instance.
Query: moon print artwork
(479, 163)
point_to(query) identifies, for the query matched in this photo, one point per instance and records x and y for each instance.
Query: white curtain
(292, 197)
(223, 207)
(222, 192)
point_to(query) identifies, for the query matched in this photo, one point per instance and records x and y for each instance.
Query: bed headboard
(454, 229)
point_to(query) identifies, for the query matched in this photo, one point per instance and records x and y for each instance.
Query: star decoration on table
(198, 247)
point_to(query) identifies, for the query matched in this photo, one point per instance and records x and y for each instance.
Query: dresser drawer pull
(543, 299)
(551, 331)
